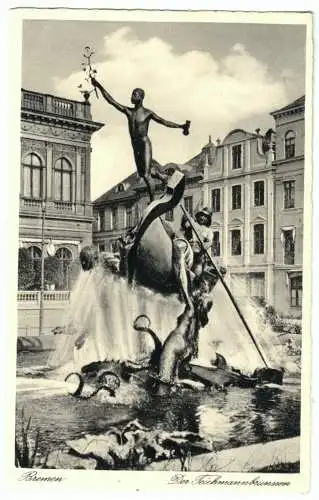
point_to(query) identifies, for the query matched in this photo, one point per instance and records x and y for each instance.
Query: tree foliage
(53, 272)
(26, 273)
(29, 272)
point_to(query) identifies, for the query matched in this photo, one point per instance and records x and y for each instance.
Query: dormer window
(290, 139)
(120, 188)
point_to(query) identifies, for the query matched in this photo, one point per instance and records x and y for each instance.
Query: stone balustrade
(45, 103)
(33, 296)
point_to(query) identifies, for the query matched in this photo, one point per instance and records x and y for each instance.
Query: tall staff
(230, 295)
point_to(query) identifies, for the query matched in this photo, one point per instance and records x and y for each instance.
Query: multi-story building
(289, 199)
(254, 185)
(238, 186)
(120, 208)
(55, 175)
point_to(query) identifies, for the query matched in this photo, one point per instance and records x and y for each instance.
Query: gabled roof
(191, 169)
(112, 194)
(241, 131)
(196, 161)
(300, 102)
(187, 168)
(133, 181)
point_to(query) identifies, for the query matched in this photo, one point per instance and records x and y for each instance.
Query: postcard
(160, 175)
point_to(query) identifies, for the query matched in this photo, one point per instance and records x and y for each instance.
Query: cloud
(215, 94)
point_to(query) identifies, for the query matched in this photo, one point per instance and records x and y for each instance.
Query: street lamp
(43, 209)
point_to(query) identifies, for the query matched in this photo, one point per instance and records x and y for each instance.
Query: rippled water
(241, 416)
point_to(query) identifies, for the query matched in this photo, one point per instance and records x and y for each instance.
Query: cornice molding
(60, 121)
(45, 129)
(56, 216)
(289, 112)
(288, 160)
(117, 202)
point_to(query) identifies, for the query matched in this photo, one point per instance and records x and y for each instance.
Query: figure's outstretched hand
(186, 127)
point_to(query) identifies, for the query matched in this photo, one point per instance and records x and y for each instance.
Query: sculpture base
(192, 376)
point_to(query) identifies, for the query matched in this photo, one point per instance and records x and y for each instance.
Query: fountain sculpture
(170, 259)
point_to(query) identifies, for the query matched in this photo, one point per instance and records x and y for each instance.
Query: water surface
(238, 417)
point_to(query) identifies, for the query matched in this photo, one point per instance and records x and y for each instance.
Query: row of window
(259, 196)
(290, 150)
(63, 254)
(236, 241)
(254, 285)
(132, 213)
(34, 180)
(114, 246)
(258, 243)
(256, 281)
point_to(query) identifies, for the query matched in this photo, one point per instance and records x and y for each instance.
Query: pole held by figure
(229, 293)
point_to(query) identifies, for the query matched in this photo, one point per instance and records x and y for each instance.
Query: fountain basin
(233, 419)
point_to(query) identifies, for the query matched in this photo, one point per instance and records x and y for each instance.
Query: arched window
(63, 180)
(35, 254)
(32, 176)
(290, 139)
(65, 257)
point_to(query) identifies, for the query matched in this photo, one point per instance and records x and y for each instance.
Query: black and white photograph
(163, 170)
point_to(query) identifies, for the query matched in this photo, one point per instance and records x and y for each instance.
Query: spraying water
(227, 335)
(104, 306)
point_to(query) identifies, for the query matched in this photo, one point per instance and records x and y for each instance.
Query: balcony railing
(63, 107)
(36, 102)
(58, 207)
(32, 203)
(45, 103)
(64, 206)
(33, 296)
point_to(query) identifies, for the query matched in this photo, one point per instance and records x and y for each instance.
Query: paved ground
(242, 459)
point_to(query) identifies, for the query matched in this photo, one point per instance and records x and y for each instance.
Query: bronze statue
(139, 119)
(188, 259)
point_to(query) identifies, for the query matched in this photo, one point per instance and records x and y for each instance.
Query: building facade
(238, 186)
(254, 185)
(55, 175)
(120, 208)
(289, 201)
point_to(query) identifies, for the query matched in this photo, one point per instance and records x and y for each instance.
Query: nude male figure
(138, 122)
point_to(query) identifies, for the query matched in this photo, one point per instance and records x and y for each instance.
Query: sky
(219, 76)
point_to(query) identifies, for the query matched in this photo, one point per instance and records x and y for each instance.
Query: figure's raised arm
(167, 123)
(185, 126)
(108, 96)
